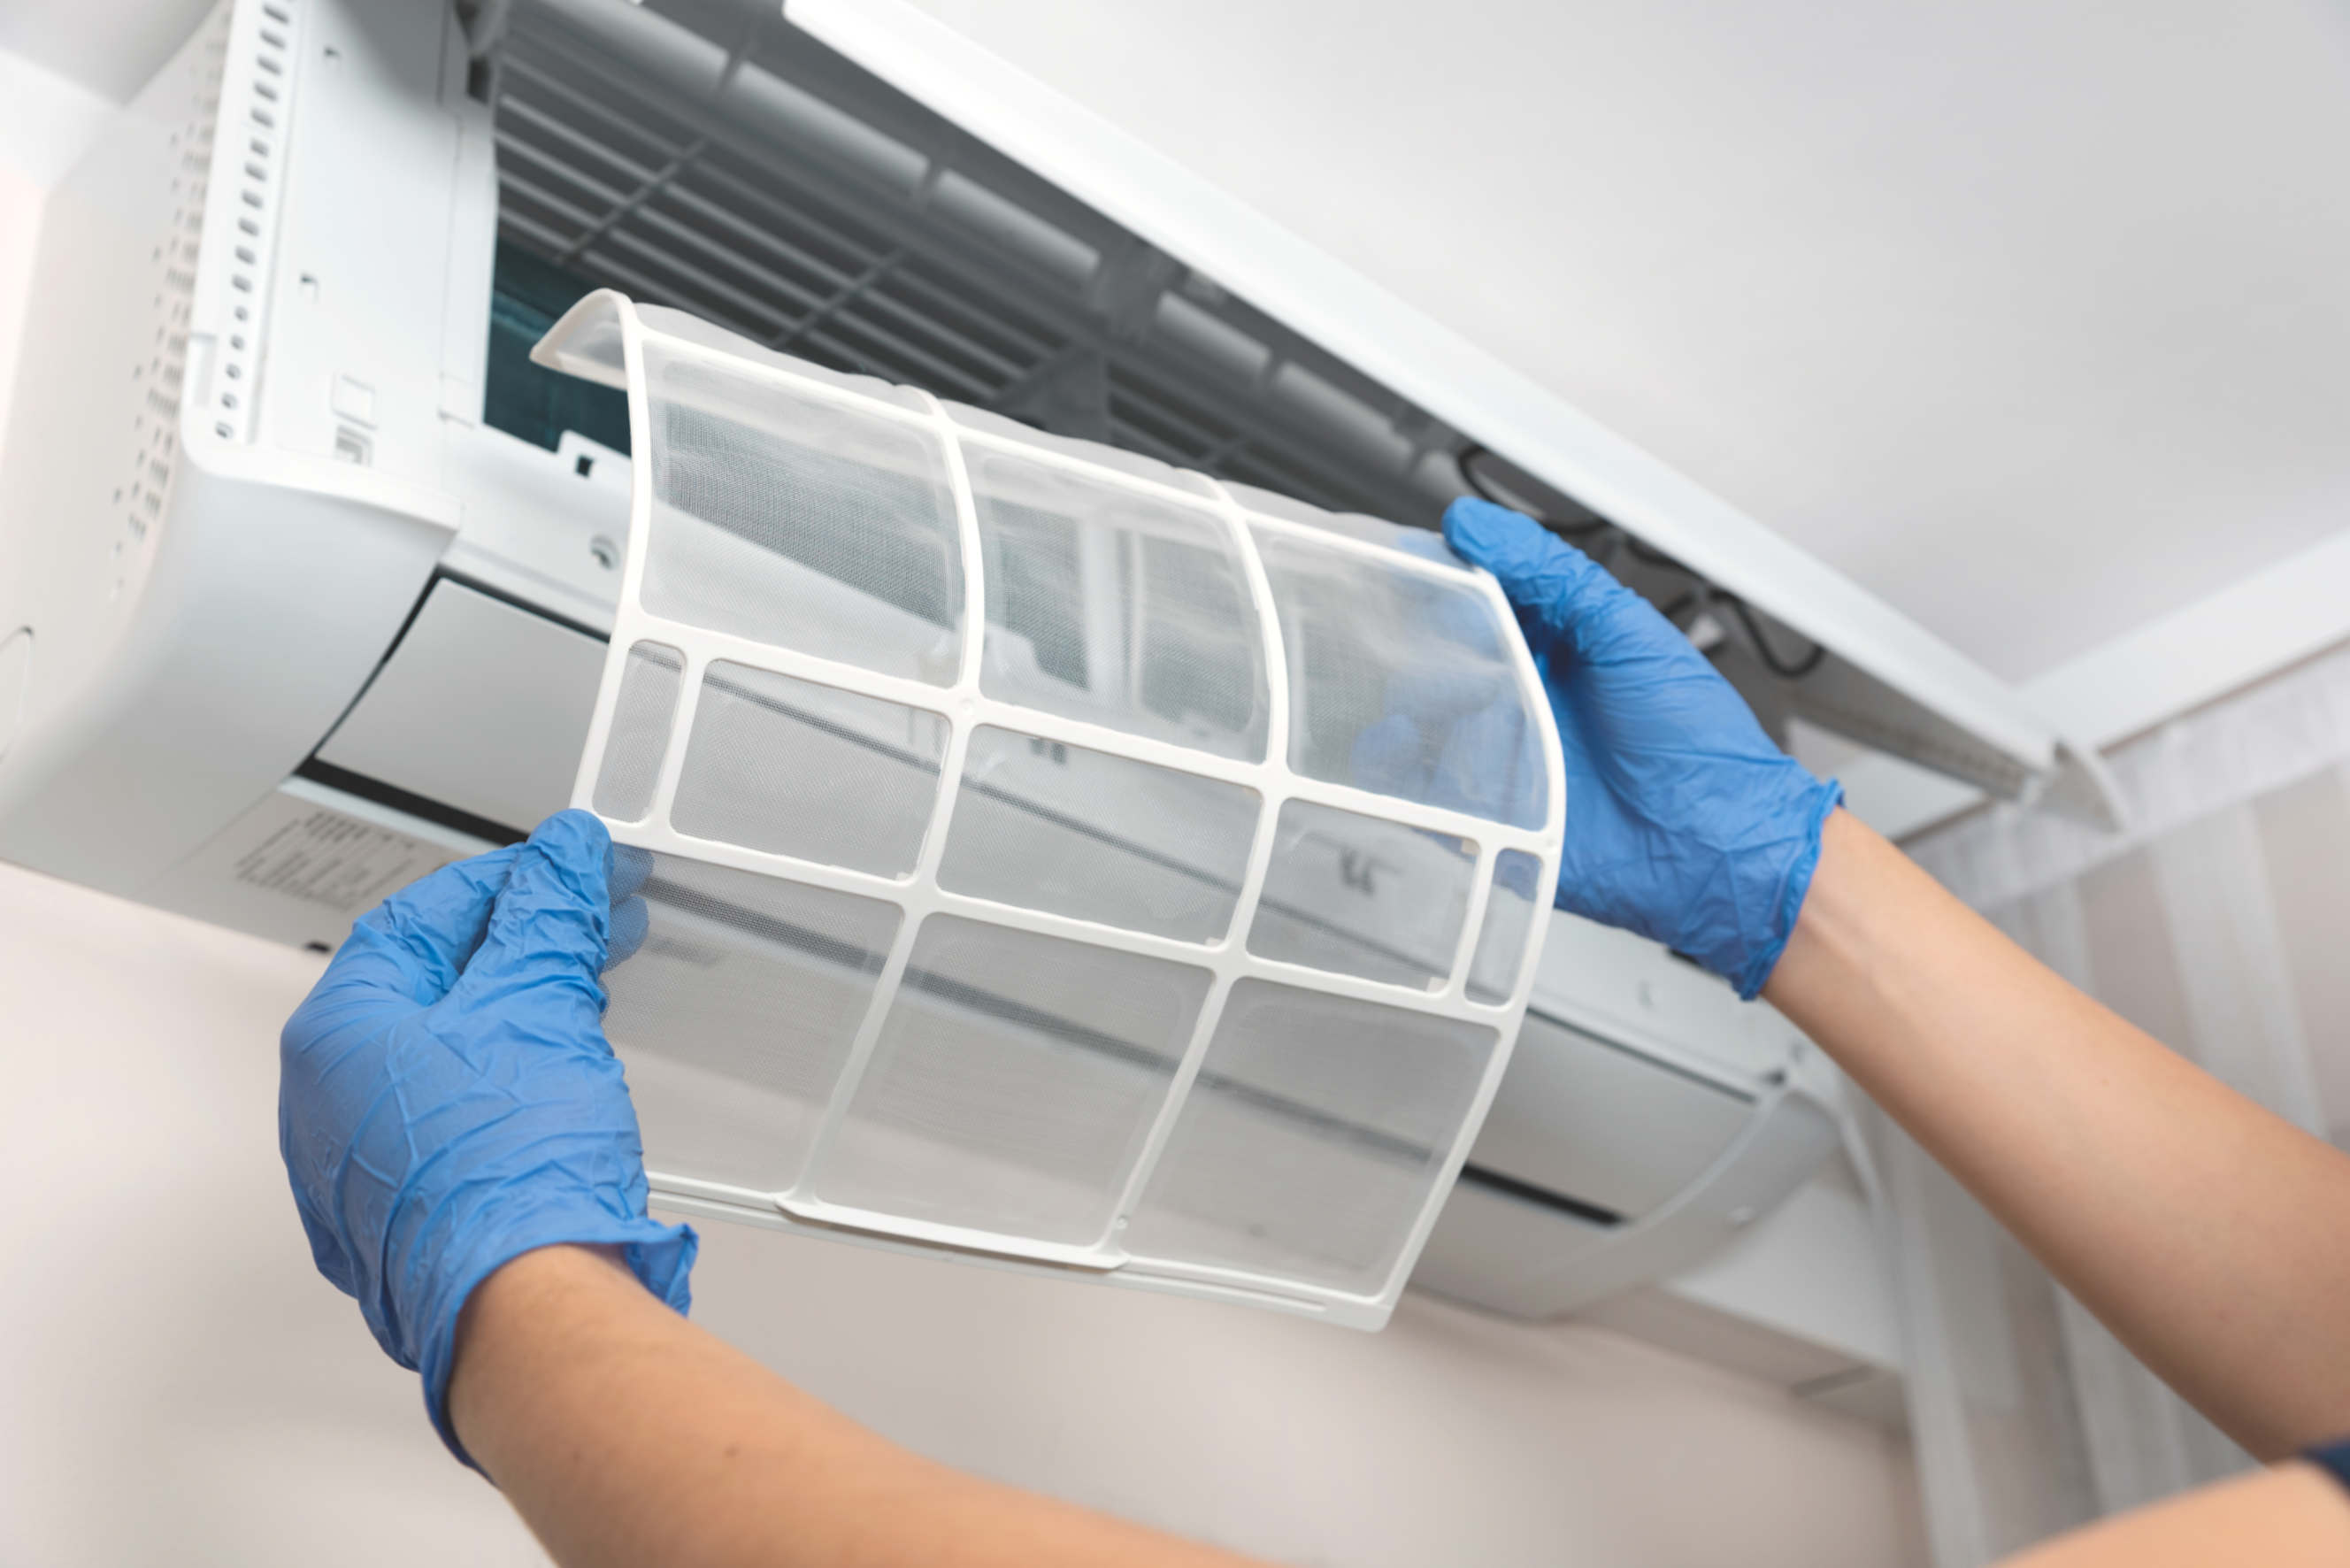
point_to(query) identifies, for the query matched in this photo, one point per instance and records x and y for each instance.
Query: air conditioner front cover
(1050, 855)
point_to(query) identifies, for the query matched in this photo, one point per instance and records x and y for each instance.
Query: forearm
(2290, 1517)
(623, 1434)
(2210, 1235)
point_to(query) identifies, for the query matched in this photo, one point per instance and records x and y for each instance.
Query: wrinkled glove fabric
(447, 1099)
(1684, 821)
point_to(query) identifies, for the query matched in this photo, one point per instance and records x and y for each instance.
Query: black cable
(1771, 661)
(1795, 671)
(1650, 556)
(1654, 557)
(1467, 460)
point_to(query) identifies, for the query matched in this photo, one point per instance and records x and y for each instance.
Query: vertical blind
(2214, 923)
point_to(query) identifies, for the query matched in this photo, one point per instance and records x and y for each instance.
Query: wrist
(1823, 946)
(545, 1245)
(1731, 893)
(526, 1306)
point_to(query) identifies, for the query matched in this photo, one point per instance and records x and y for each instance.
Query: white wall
(181, 1386)
(108, 48)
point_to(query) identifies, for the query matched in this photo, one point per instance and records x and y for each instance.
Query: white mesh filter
(800, 521)
(730, 1085)
(1518, 892)
(1048, 825)
(1405, 683)
(1116, 605)
(795, 768)
(1363, 895)
(1053, 856)
(633, 756)
(1313, 1136)
(1015, 1083)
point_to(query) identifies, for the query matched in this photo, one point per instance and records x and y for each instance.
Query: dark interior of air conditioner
(706, 154)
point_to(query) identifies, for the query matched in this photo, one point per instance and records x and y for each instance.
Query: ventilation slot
(157, 377)
(256, 177)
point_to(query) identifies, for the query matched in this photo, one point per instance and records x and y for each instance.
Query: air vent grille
(260, 77)
(933, 279)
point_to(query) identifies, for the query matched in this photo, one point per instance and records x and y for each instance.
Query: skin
(624, 1435)
(2205, 1232)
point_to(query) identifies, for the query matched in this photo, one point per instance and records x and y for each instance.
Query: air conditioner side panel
(202, 609)
(1607, 1126)
(1512, 1256)
(367, 228)
(93, 428)
(267, 606)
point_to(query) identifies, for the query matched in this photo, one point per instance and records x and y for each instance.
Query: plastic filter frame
(1055, 858)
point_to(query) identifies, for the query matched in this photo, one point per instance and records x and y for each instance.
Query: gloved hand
(447, 1100)
(1683, 821)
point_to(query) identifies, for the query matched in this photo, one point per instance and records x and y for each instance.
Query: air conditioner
(1647, 1118)
(305, 569)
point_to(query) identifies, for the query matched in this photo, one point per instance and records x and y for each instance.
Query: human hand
(1684, 823)
(447, 1100)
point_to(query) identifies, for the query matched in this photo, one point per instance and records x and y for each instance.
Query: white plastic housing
(193, 585)
(1052, 854)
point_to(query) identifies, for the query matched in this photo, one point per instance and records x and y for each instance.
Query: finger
(549, 931)
(627, 868)
(1439, 689)
(1539, 571)
(1428, 546)
(631, 919)
(415, 943)
(1564, 591)
(1491, 766)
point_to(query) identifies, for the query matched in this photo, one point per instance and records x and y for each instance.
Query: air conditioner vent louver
(930, 279)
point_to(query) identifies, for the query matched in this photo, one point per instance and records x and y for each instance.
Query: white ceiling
(2031, 316)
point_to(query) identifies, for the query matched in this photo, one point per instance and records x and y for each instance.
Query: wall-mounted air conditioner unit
(305, 569)
(1646, 1118)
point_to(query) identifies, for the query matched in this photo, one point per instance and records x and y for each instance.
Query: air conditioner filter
(1055, 856)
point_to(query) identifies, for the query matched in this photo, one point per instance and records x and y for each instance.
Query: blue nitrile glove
(1683, 821)
(447, 1100)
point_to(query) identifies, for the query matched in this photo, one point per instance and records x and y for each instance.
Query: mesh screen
(1508, 914)
(1360, 895)
(640, 737)
(1121, 609)
(1006, 1081)
(1082, 832)
(1403, 684)
(801, 522)
(1312, 1137)
(734, 1016)
(1014, 1084)
(795, 768)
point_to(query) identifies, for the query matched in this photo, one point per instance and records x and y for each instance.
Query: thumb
(549, 929)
